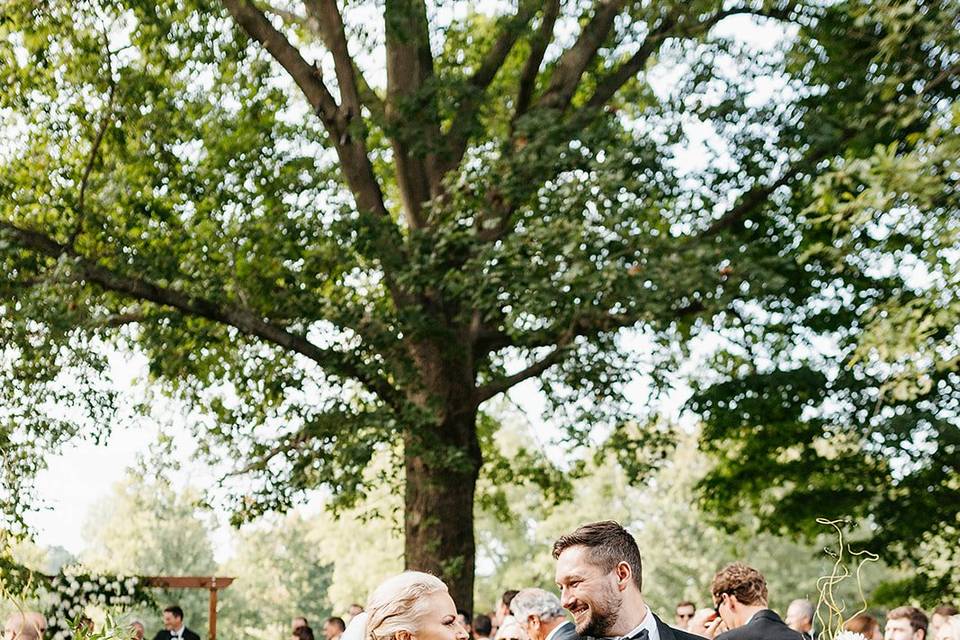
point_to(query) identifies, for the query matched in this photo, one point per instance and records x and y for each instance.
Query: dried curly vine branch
(835, 619)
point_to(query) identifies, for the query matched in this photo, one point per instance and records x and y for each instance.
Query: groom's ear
(624, 575)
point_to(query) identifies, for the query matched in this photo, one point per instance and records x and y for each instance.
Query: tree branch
(469, 109)
(498, 386)
(757, 195)
(947, 74)
(122, 319)
(572, 64)
(491, 341)
(351, 150)
(336, 362)
(284, 446)
(670, 26)
(306, 75)
(416, 135)
(94, 150)
(311, 22)
(290, 17)
(328, 16)
(609, 85)
(370, 99)
(538, 48)
(747, 203)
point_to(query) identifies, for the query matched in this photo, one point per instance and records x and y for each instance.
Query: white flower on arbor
(70, 595)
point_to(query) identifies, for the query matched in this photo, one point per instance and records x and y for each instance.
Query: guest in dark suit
(541, 616)
(740, 596)
(599, 574)
(173, 626)
(302, 633)
(482, 627)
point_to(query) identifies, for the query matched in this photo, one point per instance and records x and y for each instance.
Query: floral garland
(72, 593)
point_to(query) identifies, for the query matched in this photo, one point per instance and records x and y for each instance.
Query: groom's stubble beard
(604, 614)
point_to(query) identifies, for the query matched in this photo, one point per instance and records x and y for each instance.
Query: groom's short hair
(609, 545)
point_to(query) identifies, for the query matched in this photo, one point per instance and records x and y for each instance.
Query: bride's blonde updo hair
(399, 603)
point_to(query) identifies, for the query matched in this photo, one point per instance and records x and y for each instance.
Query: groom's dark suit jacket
(163, 634)
(669, 633)
(765, 625)
(566, 631)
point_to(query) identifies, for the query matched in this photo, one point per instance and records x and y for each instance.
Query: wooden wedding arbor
(211, 583)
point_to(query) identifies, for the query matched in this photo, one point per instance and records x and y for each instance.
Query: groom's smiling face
(588, 592)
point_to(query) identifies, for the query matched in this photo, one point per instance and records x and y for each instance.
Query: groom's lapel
(666, 631)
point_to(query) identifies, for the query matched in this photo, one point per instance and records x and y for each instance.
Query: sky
(83, 473)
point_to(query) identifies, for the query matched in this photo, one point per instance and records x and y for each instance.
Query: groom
(599, 575)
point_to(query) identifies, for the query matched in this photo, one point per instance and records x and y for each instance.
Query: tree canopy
(848, 404)
(337, 228)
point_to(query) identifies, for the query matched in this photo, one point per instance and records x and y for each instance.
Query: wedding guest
(25, 625)
(502, 614)
(599, 574)
(299, 621)
(683, 614)
(906, 623)
(354, 611)
(412, 605)
(866, 625)
(800, 618)
(540, 614)
(510, 630)
(482, 627)
(356, 628)
(173, 626)
(138, 630)
(466, 620)
(940, 615)
(303, 632)
(740, 597)
(949, 629)
(333, 628)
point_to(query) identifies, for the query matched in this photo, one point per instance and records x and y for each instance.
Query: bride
(413, 606)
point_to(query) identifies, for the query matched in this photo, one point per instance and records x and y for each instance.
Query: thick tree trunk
(441, 478)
